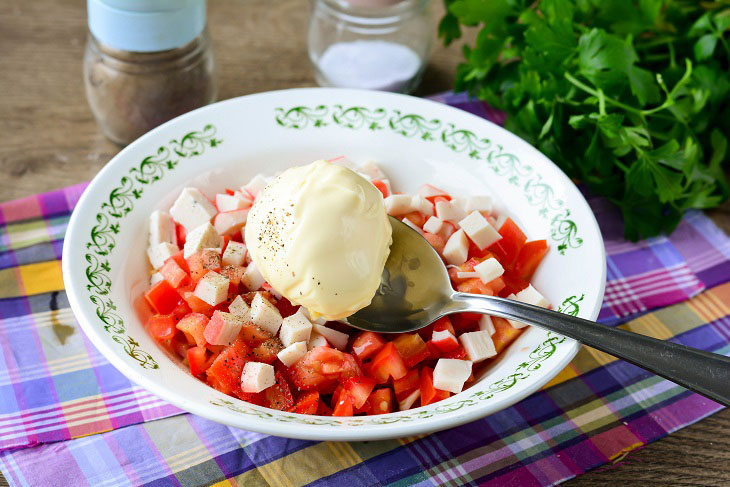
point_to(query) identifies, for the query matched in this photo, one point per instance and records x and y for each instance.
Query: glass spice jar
(146, 63)
(370, 44)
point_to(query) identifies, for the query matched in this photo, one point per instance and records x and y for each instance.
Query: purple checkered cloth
(54, 389)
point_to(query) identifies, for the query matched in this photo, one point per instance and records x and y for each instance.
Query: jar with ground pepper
(146, 63)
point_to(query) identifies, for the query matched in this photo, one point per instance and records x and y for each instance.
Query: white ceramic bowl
(416, 141)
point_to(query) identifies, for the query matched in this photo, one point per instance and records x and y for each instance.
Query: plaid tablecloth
(55, 386)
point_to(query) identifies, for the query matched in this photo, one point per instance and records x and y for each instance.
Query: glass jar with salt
(370, 44)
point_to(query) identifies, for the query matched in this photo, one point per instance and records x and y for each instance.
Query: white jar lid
(146, 26)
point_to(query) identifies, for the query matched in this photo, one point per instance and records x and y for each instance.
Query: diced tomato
(411, 348)
(508, 247)
(181, 345)
(504, 333)
(404, 386)
(512, 284)
(197, 305)
(529, 258)
(252, 397)
(307, 403)
(388, 363)
(285, 307)
(181, 310)
(194, 324)
(465, 322)
(474, 285)
(415, 217)
(366, 344)
(181, 234)
(198, 360)
(179, 258)
(253, 335)
(458, 353)
(344, 406)
(382, 401)
(438, 242)
(434, 352)
(201, 262)
(447, 343)
(172, 273)
(429, 394)
(366, 408)
(496, 285)
(382, 187)
(227, 368)
(359, 388)
(266, 352)
(233, 273)
(323, 409)
(279, 395)
(162, 297)
(321, 368)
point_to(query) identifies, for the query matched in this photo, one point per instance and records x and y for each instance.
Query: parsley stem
(591, 91)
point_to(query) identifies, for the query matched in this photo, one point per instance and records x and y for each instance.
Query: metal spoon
(415, 291)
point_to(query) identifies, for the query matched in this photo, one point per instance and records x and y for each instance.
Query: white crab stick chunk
(155, 278)
(336, 338)
(229, 222)
(428, 191)
(422, 205)
(257, 376)
(433, 225)
(256, 185)
(407, 402)
(240, 308)
(486, 324)
(451, 374)
(235, 253)
(372, 170)
(252, 278)
(457, 248)
(191, 209)
(479, 230)
(295, 328)
(513, 323)
(413, 225)
(478, 345)
(291, 354)
(398, 204)
(316, 340)
(264, 314)
(223, 328)
(488, 270)
(305, 312)
(231, 202)
(200, 238)
(449, 211)
(212, 288)
(159, 253)
(478, 203)
(532, 296)
(162, 228)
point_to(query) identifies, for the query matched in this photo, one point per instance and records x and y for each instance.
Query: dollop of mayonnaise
(320, 236)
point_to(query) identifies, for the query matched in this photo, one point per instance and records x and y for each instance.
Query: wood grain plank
(50, 140)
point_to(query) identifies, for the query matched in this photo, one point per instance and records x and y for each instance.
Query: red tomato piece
(202, 262)
(307, 403)
(465, 322)
(181, 310)
(233, 273)
(444, 324)
(512, 284)
(226, 369)
(529, 258)
(162, 297)
(321, 367)
(172, 273)
(388, 363)
(181, 233)
(197, 305)
(323, 409)
(179, 258)
(438, 242)
(181, 345)
(344, 405)
(415, 217)
(446, 344)
(360, 389)
(382, 187)
(366, 344)
(194, 325)
(279, 395)
(254, 335)
(266, 352)
(411, 348)
(504, 333)
(475, 285)
(508, 247)
(198, 360)
(252, 397)
(382, 401)
(286, 308)
(496, 285)
(404, 386)
(429, 394)
(458, 353)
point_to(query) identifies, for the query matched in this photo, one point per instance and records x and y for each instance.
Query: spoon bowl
(415, 290)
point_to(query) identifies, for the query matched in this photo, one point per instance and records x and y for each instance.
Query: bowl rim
(302, 431)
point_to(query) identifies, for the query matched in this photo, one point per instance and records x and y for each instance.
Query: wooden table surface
(50, 140)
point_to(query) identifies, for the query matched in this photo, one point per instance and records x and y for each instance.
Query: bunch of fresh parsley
(632, 97)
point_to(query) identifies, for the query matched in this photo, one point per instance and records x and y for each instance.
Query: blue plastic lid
(146, 25)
